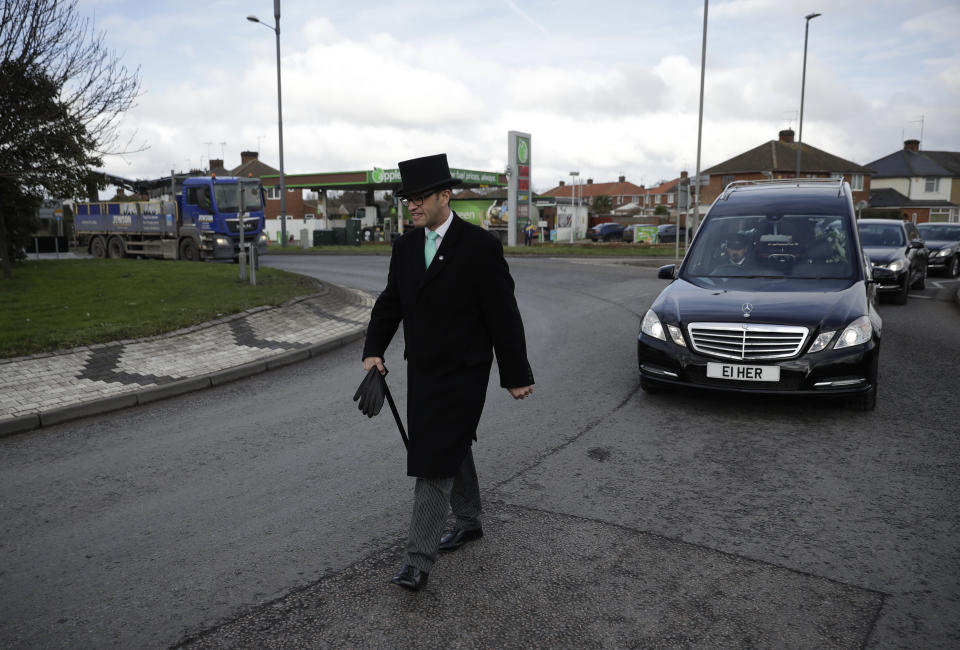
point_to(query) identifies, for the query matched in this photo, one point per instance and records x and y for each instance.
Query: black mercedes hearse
(774, 296)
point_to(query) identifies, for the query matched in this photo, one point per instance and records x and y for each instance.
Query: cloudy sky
(606, 87)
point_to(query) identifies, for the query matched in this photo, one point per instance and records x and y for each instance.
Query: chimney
(683, 174)
(911, 145)
(589, 181)
(786, 135)
(247, 156)
(216, 163)
(622, 179)
(562, 183)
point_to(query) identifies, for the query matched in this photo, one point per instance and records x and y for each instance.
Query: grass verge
(608, 249)
(59, 304)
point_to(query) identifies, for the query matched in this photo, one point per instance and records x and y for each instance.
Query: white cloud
(941, 23)
(376, 84)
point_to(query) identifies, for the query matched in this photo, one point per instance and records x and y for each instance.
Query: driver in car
(735, 248)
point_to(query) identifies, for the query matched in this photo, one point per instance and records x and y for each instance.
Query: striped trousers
(431, 498)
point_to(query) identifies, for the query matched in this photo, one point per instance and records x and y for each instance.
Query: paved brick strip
(46, 389)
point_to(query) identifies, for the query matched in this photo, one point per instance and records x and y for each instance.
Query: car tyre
(649, 387)
(900, 297)
(865, 401)
(953, 269)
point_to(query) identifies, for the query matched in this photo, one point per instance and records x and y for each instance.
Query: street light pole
(573, 202)
(803, 86)
(696, 199)
(283, 183)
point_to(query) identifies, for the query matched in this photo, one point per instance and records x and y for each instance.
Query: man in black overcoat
(450, 286)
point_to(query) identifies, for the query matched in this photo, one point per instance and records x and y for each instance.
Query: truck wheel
(114, 248)
(188, 250)
(97, 248)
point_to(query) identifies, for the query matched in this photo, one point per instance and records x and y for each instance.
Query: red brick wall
(295, 206)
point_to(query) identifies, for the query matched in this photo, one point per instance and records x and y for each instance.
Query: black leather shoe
(410, 578)
(454, 539)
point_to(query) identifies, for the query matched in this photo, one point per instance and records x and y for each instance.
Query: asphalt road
(271, 507)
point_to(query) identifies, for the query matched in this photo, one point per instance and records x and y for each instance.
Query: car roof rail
(736, 185)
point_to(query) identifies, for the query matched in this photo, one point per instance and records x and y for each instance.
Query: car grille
(747, 341)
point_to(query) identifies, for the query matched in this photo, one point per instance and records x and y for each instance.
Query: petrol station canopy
(376, 179)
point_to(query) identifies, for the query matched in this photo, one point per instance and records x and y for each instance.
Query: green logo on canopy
(523, 151)
(377, 175)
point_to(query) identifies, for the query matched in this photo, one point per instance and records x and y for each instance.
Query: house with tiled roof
(916, 185)
(778, 159)
(252, 167)
(663, 193)
(621, 193)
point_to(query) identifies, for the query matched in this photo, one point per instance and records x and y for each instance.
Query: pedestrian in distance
(450, 287)
(528, 233)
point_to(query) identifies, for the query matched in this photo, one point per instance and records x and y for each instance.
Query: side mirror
(666, 272)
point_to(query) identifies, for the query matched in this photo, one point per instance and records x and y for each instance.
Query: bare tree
(62, 93)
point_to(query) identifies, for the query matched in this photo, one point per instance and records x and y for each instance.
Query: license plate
(738, 372)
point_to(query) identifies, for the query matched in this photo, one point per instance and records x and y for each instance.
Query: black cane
(396, 415)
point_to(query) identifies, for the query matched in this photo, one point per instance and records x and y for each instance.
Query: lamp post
(283, 184)
(696, 198)
(574, 176)
(803, 85)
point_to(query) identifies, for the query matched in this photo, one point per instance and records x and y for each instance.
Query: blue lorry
(203, 223)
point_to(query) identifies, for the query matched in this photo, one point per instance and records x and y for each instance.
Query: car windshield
(882, 234)
(772, 246)
(227, 197)
(937, 232)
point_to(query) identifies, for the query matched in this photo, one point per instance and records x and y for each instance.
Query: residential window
(856, 182)
(944, 215)
(727, 179)
(931, 185)
(273, 191)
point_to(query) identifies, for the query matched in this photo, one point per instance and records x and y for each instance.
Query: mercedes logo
(747, 308)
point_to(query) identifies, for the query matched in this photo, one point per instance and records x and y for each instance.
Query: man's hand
(370, 362)
(520, 393)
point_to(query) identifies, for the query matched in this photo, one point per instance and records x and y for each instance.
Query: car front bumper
(890, 281)
(828, 372)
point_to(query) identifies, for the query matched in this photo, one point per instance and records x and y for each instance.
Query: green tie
(431, 248)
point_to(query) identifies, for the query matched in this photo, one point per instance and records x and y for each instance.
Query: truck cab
(211, 212)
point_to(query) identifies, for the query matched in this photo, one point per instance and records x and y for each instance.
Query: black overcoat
(455, 316)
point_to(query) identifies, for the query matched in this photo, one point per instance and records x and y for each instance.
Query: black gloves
(371, 392)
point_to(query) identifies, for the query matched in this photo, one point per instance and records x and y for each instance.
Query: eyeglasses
(415, 201)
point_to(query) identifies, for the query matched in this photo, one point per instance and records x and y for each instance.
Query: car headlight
(222, 241)
(943, 252)
(263, 239)
(857, 332)
(822, 341)
(896, 265)
(676, 335)
(651, 326)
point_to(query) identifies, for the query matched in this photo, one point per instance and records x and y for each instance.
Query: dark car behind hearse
(775, 296)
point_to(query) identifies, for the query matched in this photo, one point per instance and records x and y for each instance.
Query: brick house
(778, 159)
(916, 185)
(621, 193)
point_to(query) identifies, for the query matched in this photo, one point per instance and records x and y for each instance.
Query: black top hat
(427, 174)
